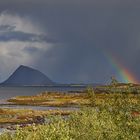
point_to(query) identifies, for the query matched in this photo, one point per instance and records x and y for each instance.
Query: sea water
(8, 92)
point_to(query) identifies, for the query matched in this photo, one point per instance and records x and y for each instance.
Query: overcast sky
(68, 40)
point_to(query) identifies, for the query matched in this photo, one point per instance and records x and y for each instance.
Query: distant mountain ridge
(26, 76)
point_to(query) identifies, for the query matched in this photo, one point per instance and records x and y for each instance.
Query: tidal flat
(24, 110)
(56, 103)
(100, 116)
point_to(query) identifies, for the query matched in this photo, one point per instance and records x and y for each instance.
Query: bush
(91, 95)
(88, 124)
(117, 118)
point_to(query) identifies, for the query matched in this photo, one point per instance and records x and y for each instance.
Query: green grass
(112, 117)
(89, 124)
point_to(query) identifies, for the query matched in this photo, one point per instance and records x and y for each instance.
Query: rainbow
(124, 74)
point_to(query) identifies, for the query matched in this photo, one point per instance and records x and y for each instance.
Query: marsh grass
(19, 116)
(50, 99)
(113, 117)
(89, 124)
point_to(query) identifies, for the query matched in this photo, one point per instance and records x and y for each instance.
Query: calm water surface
(8, 92)
(38, 107)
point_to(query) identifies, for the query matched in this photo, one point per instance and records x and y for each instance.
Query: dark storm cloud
(85, 30)
(21, 36)
(8, 33)
(6, 28)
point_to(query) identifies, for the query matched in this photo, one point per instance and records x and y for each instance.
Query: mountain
(26, 76)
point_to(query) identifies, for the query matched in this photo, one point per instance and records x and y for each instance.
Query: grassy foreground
(109, 117)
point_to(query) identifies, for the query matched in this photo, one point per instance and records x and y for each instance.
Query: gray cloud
(21, 36)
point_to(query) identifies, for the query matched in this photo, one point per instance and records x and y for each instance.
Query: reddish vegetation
(135, 113)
